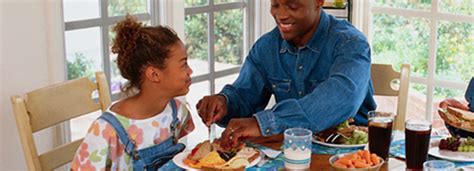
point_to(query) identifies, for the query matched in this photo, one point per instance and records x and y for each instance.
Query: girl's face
(176, 76)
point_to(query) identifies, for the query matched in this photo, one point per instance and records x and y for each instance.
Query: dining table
(320, 155)
(321, 161)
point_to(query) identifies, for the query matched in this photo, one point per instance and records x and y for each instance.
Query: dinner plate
(338, 145)
(449, 155)
(179, 161)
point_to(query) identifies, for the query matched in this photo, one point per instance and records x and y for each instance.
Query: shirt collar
(315, 40)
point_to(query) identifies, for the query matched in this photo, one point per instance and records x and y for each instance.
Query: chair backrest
(383, 77)
(49, 106)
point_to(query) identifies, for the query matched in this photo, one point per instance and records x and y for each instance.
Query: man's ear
(319, 3)
(152, 74)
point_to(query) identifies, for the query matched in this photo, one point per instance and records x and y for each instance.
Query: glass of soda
(380, 132)
(417, 135)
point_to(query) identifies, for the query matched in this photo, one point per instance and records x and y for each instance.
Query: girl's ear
(152, 74)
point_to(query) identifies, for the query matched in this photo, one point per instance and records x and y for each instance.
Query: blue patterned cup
(438, 165)
(297, 148)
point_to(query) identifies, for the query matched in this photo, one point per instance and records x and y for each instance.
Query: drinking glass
(417, 141)
(438, 165)
(380, 133)
(297, 148)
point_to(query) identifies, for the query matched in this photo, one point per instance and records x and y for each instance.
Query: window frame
(103, 22)
(434, 16)
(248, 36)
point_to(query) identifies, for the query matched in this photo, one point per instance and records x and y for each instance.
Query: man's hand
(212, 108)
(239, 129)
(453, 103)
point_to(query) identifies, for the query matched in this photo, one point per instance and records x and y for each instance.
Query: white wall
(1, 81)
(26, 34)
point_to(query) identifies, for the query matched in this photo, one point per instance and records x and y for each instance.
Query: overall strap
(174, 122)
(130, 148)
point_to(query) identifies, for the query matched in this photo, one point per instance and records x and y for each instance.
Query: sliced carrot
(360, 164)
(340, 165)
(366, 155)
(375, 159)
(344, 161)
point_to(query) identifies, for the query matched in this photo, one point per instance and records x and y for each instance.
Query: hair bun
(127, 32)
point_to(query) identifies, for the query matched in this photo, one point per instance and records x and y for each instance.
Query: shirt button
(300, 93)
(274, 86)
(300, 67)
(267, 131)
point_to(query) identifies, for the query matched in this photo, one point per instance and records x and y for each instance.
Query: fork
(266, 153)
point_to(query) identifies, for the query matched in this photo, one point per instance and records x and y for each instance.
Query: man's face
(296, 19)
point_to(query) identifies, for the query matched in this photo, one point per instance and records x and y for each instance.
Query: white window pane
(197, 91)
(120, 7)
(406, 4)
(416, 108)
(229, 37)
(222, 81)
(225, 1)
(455, 53)
(398, 40)
(465, 7)
(80, 9)
(83, 52)
(196, 43)
(194, 3)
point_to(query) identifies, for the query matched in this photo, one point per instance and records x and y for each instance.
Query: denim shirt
(470, 95)
(316, 86)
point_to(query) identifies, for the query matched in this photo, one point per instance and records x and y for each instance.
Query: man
(457, 115)
(317, 67)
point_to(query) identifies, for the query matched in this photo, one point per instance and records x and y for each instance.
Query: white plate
(339, 145)
(449, 155)
(179, 161)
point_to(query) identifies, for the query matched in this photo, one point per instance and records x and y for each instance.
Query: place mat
(321, 149)
(397, 149)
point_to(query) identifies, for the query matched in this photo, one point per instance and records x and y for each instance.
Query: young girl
(139, 132)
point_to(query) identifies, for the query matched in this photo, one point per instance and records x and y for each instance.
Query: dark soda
(417, 142)
(380, 133)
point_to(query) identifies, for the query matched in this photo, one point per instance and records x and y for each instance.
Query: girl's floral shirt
(102, 149)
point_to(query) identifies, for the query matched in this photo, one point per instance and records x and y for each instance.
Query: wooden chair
(52, 105)
(383, 76)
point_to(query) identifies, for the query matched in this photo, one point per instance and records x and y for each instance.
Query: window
(217, 38)
(437, 38)
(88, 38)
(224, 24)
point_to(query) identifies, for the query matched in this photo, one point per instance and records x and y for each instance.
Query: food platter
(179, 158)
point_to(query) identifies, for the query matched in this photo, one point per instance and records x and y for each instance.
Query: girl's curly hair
(139, 46)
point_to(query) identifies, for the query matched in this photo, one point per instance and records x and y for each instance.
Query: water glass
(380, 132)
(417, 135)
(438, 165)
(297, 148)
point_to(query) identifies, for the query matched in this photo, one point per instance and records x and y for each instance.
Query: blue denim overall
(150, 158)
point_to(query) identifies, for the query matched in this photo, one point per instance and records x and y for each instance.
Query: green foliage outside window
(228, 36)
(79, 67)
(397, 40)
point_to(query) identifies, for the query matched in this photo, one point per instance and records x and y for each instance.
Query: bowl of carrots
(361, 160)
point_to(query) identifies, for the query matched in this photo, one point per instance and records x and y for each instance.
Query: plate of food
(361, 160)
(343, 136)
(453, 148)
(207, 155)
